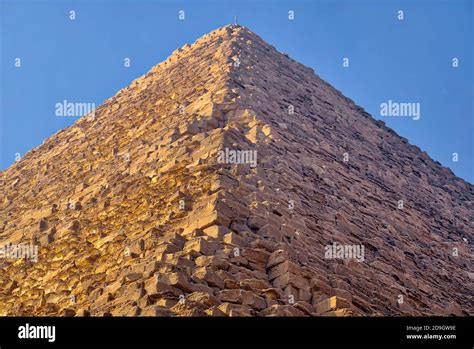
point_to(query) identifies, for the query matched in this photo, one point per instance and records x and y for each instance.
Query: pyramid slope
(135, 215)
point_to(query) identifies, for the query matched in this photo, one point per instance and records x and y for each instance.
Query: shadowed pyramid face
(231, 180)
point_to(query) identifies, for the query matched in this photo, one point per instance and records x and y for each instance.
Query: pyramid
(230, 180)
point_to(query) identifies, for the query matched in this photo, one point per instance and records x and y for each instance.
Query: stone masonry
(134, 214)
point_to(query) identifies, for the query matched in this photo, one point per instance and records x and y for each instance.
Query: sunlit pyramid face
(231, 180)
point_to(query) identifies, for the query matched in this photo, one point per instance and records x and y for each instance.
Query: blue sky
(83, 60)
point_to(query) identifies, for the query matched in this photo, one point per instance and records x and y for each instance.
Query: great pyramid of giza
(230, 180)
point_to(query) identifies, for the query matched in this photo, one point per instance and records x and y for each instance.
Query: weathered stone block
(209, 276)
(254, 284)
(330, 304)
(155, 287)
(200, 245)
(277, 257)
(178, 280)
(216, 231)
(154, 310)
(214, 218)
(284, 267)
(290, 279)
(233, 239)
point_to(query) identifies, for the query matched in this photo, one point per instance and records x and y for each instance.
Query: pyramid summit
(230, 180)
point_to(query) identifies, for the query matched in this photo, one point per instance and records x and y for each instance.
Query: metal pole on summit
(235, 20)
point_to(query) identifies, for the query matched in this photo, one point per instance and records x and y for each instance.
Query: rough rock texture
(134, 215)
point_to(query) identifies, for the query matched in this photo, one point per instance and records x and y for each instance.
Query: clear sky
(82, 60)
